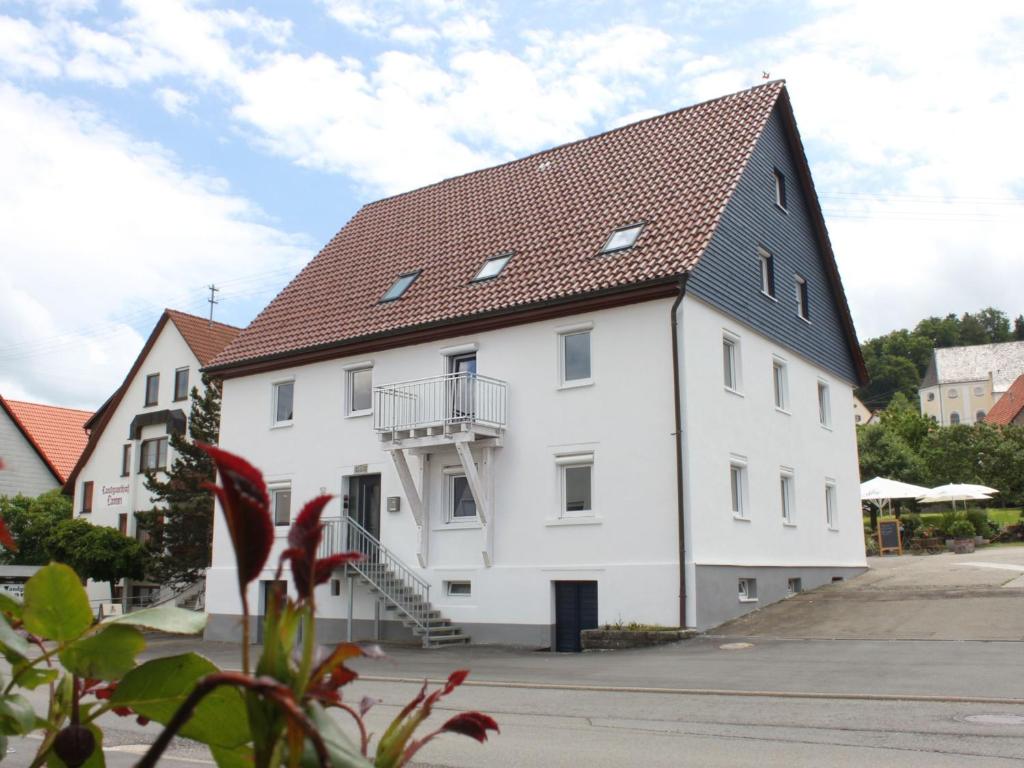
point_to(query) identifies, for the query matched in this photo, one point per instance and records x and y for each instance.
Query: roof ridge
(46, 405)
(780, 83)
(203, 319)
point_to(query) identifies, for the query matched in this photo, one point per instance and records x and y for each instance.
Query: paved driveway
(914, 597)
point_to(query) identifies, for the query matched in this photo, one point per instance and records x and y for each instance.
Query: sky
(151, 148)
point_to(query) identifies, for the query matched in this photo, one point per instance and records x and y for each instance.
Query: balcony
(438, 408)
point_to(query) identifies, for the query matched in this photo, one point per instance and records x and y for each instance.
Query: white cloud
(467, 30)
(24, 49)
(172, 100)
(410, 34)
(103, 227)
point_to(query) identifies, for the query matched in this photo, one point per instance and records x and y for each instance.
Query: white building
(39, 445)
(963, 383)
(129, 434)
(610, 381)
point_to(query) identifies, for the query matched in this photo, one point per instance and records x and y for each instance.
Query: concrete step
(438, 642)
(444, 631)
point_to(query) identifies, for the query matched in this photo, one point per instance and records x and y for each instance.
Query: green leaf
(166, 618)
(157, 688)
(343, 752)
(107, 655)
(12, 641)
(239, 757)
(16, 714)
(56, 606)
(33, 677)
(10, 604)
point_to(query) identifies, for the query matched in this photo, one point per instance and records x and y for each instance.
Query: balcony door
(461, 386)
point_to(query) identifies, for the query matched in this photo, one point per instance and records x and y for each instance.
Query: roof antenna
(213, 291)
(765, 75)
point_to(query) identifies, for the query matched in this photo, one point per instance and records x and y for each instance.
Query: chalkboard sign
(889, 537)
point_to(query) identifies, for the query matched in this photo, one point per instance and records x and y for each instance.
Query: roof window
(493, 267)
(622, 238)
(400, 286)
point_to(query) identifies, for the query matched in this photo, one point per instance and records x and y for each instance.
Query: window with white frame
(803, 308)
(830, 504)
(780, 383)
(767, 272)
(460, 506)
(786, 497)
(459, 588)
(281, 504)
(576, 485)
(824, 405)
(747, 589)
(284, 401)
(153, 454)
(359, 390)
(954, 418)
(979, 416)
(780, 189)
(738, 487)
(574, 356)
(731, 361)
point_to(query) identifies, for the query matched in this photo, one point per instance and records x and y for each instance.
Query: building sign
(116, 494)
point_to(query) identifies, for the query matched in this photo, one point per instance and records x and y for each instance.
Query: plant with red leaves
(275, 715)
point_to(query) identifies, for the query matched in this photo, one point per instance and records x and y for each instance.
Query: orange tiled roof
(1009, 406)
(553, 210)
(204, 338)
(57, 434)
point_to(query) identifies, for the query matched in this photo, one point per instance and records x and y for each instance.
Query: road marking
(998, 566)
(916, 697)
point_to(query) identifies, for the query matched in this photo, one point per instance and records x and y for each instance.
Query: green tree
(31, 521)
(995, 323)
(96, 552)
(1018, 328)
(972, 330)
(940, 331)
(181, 524)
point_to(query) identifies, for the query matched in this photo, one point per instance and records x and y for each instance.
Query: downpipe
(678, 434)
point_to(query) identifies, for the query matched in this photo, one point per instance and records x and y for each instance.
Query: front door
(364, 502)
(575, 610)
(463, 370)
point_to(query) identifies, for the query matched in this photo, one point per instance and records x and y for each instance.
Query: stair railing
(402, 587)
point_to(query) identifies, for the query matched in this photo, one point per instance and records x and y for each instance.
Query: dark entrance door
(464, 366)
(266, 590)
(364, 502)
(575, 610)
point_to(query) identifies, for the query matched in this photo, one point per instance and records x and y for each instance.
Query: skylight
(622, 238)
(493, 267)
(400, 286)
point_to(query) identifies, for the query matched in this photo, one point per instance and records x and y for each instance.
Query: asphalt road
(776, 690)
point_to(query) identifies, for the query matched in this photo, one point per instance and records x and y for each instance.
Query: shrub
(979, 519)
(947, 521)
(961, 529)
(870, 544)
(911, 525)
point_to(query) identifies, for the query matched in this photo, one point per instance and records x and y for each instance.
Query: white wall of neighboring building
(24, 471)
(114, 494)
(625, 418)
(721, 426)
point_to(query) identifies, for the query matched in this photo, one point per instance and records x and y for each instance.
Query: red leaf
(243, 497)
(2, 465)
(123, 711)
(5, 537)
(472, 724)
(303, 541)
(455, 679)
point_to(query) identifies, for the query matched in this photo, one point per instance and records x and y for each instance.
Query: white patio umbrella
(880, 490)
(954, 492)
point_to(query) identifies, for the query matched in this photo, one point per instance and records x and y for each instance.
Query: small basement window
(622, 238)
(400, 286)
(793, 586)
(492, 267)
(748, 590)
(459, 588)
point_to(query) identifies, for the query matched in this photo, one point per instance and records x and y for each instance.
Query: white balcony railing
(440, 401)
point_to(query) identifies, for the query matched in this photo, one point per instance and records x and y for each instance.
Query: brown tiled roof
(57, 434)
(1009, 406)
(553, 211)
(204, 340)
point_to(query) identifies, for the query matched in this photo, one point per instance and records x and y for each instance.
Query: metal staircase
(399, 589)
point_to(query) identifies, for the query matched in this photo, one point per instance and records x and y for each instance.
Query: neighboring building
(609, 381)
(1009, 409)
(39, 445)
(963, 383)
(128, 435)
(861, 413)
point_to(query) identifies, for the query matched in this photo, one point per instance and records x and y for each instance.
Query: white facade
(118, 485)
(24, 470)
(621, 420)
